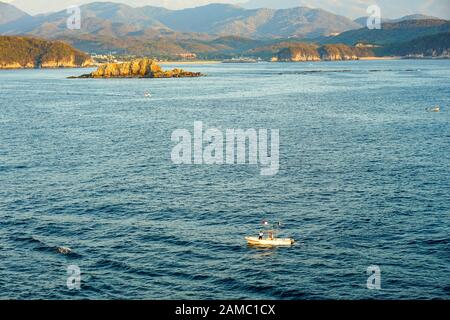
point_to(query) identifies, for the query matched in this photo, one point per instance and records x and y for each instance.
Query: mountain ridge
(363, 20)
(216, 19)
(402, 31)
(9, 13)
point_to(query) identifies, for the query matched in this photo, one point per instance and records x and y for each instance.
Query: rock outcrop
(24, 52)
(140, 68)
(337, 52)
(330, 52)
(303, 52)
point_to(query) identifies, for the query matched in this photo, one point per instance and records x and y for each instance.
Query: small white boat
(240, 60)
(435, 109)
(255, 241)
(147, 95)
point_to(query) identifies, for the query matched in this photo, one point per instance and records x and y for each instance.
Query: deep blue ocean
(364, 180)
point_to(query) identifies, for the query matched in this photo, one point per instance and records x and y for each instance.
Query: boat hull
(254, 241)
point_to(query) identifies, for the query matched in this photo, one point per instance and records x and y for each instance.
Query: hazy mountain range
(392, 32)
(362, 21)
(354, 8)
(349, 8)
(9, 13)
(112, 19)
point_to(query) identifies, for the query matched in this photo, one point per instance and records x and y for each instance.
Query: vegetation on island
(428, 46)
(25, 52)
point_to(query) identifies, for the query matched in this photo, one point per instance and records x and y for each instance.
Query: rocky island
(139, 68)
(26, 52)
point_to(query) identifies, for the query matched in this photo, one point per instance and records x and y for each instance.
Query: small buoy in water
(64, 250)
(435, 109)
(147, 94)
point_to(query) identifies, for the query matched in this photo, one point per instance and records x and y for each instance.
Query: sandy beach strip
(379, 58)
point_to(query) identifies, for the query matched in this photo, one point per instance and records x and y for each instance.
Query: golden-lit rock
(140, 68)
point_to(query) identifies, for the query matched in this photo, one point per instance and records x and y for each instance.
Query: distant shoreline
(46, 68)
(208, 62)
(190, 62)
(205, 62)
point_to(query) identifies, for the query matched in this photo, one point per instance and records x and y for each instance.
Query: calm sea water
(364, 180)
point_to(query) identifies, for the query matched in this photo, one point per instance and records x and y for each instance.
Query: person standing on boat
(261, 234)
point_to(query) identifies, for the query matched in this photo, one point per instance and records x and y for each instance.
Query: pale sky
(349, 8)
